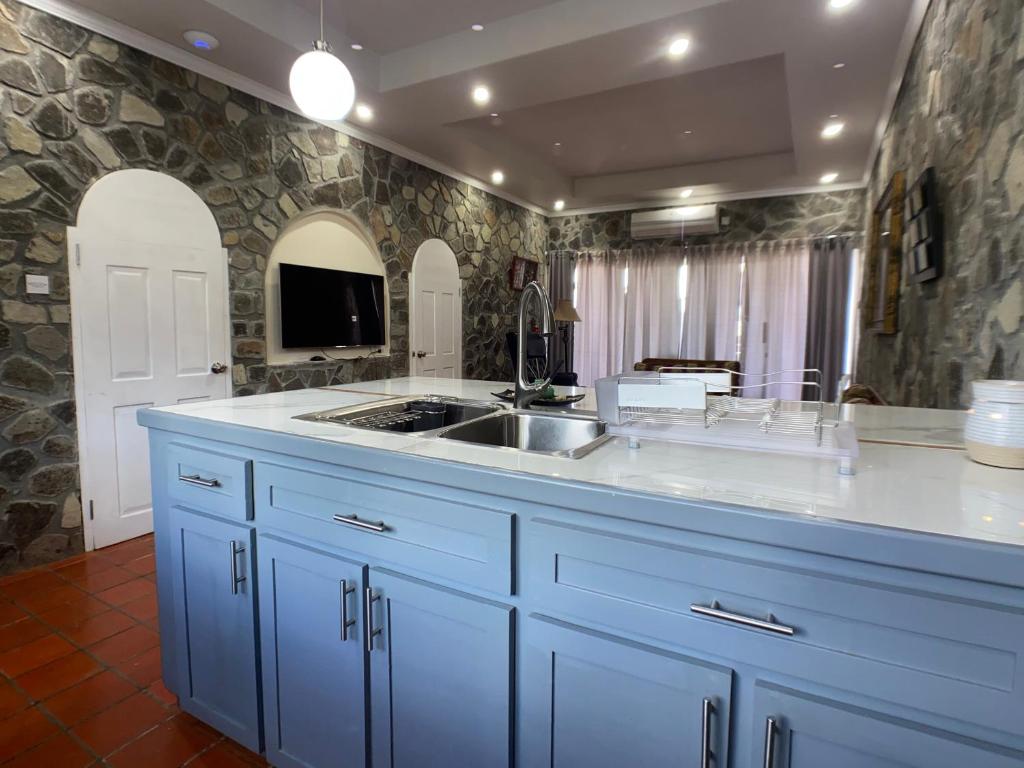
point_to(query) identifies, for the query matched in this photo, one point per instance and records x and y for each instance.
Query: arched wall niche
(331, 240)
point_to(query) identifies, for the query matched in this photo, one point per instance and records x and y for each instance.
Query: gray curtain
(560, 270)
(829, 295)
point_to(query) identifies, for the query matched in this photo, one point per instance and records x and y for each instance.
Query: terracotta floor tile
(128, 551)
(89, 698)
(78, 568)
(159, 690)
(143, 609)
(44, 600)
(12, 700)
(143, 565)
(73, 613)
(144, 669)
(124, 645)
(19, 633)
(57, 675)
(61, 750)
(24, 731)
(227, 754)
(169, 746)
(10, 612)
(99, 627)
(127, 592)
(98, 582)
(34, 655)
(121, 723)
(26, 583)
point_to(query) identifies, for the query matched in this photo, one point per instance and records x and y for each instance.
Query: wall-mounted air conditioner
(675, 222)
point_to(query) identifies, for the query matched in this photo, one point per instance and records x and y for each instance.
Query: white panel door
(152, 325)
(436, 333)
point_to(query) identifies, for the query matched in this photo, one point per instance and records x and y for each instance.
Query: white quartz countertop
(912, 473)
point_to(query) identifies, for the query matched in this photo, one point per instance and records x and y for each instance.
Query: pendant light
(321, 84)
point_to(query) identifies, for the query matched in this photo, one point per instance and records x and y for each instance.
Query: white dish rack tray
(704, 406)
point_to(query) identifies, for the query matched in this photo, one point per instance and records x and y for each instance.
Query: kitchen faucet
(526, 393)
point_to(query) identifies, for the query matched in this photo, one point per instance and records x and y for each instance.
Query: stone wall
(75, 106)
(772, 218)
(961, 110)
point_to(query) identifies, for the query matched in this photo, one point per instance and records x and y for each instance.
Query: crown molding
(915, 22)
(708, 199)
(122, 33)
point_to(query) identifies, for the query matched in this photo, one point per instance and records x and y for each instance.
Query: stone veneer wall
(771, 218)
(961, 110)
(74, 106)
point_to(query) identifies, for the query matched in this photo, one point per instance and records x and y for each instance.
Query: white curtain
(775, 327)
(601, 303)
(714, 290)
(654, 313)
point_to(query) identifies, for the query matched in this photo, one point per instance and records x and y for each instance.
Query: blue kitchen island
(341, 597)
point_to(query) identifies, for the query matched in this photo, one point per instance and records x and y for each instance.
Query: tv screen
(330, 308)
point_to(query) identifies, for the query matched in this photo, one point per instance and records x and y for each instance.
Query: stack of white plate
(995, 424)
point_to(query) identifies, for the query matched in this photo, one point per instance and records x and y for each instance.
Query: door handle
(771, 733)
(236, 550)
(370, 599)
(768, 624)
(355, 522)
(706, 755)
(346, 622)
(202, 482)
(421, 355)
(218, 368)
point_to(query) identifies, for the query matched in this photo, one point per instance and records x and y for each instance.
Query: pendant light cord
(322, 20)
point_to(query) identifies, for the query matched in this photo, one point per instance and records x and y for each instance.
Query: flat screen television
(330, 308)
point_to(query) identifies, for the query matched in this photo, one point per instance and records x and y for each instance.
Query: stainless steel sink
(566, 436)
(421, 413)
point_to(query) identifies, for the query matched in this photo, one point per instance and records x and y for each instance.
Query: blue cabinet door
(591, 699)
(440, 676)
(313, 657)
(796, 730)
(215, 608)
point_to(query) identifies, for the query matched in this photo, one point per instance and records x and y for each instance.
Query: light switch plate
(37, 284)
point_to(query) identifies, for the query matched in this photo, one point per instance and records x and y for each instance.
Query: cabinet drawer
(877, 632)
(419, 527)
(206, 479)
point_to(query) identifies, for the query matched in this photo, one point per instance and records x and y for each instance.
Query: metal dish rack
(704, 405)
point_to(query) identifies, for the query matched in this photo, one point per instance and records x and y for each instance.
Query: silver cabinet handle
(370, 599)
(346, 622)
(706, 755)
(202, 482)
(771, 733)
(767, 624)
(236, 549)
(355, 522)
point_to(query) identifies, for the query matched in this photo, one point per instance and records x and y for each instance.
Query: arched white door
(435, 312)
(149, 308)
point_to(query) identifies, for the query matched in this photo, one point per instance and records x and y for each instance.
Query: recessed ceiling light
(686, 193)
(498, 177)
(833, 129)
(204, 41)
(839, 65)
(678, 47)
(838, 5)
(364, 112)
(688, 133)
(356, 47)
(477, 27)
(559, 205)
(481, 94)
(828, 178)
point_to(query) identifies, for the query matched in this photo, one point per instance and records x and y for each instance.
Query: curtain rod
(684, 245)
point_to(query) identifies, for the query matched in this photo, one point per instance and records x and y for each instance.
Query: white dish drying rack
(705, 406)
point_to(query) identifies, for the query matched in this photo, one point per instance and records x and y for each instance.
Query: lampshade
(565, 312)
(322, 86)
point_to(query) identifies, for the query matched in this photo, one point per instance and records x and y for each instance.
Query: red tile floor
(80, 671)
